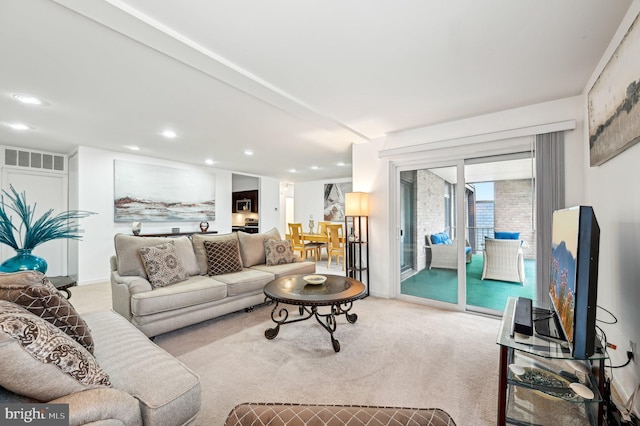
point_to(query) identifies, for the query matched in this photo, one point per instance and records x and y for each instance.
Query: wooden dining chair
(336, 245)
(322, 229)
(298, 242)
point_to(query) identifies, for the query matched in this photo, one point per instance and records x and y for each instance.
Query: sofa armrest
(122, 288)
(104, 405)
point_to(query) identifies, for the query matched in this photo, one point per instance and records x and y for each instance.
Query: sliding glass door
(500, 204)
(429, 234)
(444, 225)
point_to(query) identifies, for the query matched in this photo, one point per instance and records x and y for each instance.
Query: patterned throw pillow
(278, 252)
(223, 257)
(40, 361)
(163, 265)
(33, 291)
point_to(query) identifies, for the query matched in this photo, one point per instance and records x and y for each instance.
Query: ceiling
(296, 82)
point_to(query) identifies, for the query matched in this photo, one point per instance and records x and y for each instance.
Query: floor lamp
(357, 225)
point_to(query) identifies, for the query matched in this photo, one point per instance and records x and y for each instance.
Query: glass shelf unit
(535, 377)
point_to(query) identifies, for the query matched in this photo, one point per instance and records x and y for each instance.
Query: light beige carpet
(397, 354)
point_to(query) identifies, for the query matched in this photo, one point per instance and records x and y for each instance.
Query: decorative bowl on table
(314, 279)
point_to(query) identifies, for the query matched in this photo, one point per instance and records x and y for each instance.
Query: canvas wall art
(334, 200)
(614, 110)
(151, 193)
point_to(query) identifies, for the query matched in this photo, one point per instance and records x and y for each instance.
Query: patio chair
(503, 260)
(444, 255)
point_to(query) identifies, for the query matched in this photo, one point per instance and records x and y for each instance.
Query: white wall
(309, 200)
(95, 193)
(610, 189)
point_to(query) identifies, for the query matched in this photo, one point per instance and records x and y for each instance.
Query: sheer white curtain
(550, 196)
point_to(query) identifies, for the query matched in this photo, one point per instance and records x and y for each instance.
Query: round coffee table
(337, 291)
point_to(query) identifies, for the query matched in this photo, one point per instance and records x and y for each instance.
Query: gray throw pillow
(278, 252)
(223, 257)
(163, 265)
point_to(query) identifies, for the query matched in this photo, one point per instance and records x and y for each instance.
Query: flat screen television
(573, 278)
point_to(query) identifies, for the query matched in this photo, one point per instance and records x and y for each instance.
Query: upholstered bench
(257, 414)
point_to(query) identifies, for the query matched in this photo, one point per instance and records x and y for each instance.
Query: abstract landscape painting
(151, 193)
(614, 101)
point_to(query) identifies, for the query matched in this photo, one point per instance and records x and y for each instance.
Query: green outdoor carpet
(442, 284)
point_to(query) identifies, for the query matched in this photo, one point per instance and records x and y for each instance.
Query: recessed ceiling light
(209, 161)
(248, 152)
(314, 167)
(132, 147)
(19, 126)
(340, 164)
(28, 99)
(292, 170)
(169, 134)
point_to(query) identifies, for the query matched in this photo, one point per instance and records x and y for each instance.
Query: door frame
(395, 215)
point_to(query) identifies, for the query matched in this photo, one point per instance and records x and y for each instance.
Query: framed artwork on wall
(614, 101)
(334, 200)
(152, 193)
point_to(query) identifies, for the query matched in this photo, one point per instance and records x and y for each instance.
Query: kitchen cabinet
(240, 204)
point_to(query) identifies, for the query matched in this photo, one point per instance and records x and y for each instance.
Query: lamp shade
(356, 204)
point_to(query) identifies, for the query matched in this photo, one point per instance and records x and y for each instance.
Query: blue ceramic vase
(24, 261)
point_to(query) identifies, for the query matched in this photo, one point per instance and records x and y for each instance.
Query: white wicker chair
(503, 260)
(444, 256)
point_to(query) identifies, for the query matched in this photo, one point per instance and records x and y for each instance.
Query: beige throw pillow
(223, 257)
(40, 361)
(162, 264)
(278, 252)
(33, 291)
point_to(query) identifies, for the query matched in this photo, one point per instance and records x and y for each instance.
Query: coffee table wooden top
(294, 290)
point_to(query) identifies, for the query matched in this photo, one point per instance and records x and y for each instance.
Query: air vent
(34, 160)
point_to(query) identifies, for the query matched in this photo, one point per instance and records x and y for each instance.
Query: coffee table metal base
(328, 320)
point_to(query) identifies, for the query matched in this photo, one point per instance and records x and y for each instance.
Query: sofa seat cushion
(301, 267)
(247, 281)
(168, 391)
(194, 291)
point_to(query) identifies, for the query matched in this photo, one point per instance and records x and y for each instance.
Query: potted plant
(32, 232)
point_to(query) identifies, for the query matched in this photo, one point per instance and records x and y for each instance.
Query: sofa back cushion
(201, 253)
(252, 246)
(33, 291)
(40, 361)
(130, 262)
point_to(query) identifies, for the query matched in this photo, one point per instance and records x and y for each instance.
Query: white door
(47, 191)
